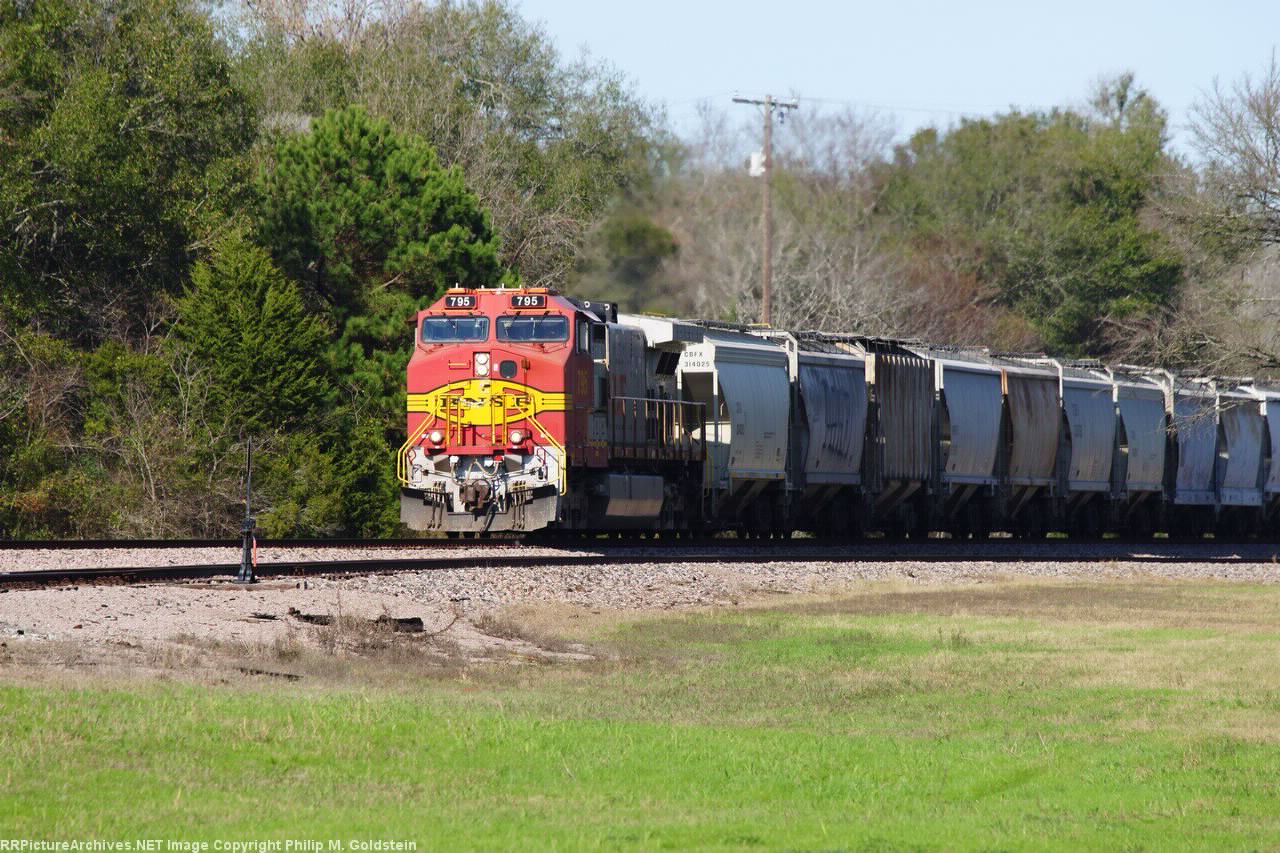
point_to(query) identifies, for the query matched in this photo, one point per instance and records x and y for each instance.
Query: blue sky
(922, 62)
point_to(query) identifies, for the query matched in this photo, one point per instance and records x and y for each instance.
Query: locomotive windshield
(526, 329)
(454, 330)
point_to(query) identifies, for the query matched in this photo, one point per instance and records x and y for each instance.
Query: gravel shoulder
(225, 612)
(43, 559)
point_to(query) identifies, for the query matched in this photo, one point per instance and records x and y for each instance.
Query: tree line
(216, 218)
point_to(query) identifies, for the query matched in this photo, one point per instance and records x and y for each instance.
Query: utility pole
(766, 217)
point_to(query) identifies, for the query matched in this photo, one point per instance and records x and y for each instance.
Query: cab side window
(598, 333)
(584, 334)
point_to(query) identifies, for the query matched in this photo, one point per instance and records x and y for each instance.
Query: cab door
(590, 388)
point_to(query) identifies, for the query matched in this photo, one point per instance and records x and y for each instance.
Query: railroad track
(618, 540)
(513, 554)
(164, 544)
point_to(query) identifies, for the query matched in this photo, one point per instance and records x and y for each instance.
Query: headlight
(517, 437)
(436, 437)
(482, 364)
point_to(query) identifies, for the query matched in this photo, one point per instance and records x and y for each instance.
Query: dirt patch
(215, 633)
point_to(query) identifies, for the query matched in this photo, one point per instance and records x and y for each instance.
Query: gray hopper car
(909, 439)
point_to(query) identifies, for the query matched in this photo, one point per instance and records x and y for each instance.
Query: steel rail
(161, 544)
(605, 541)
(594, 557)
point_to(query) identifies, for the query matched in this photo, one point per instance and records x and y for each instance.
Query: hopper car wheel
(856, 529)
(1228, 524)
(830, 523)
(1142, 521)
(1190, 524)
(917, 524)
(759, 520)
(1034, 525)
(1234, 523)
(979, 527)
(1094, 526)
(1087, 523)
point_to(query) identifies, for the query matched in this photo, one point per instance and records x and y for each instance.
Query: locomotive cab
(489, 411)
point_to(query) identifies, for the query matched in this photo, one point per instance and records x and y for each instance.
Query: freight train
(529, 410)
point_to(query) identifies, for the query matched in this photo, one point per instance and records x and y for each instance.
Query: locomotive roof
(603, 311)
(664, 332)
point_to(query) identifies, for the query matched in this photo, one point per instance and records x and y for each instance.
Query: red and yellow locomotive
(529, 410)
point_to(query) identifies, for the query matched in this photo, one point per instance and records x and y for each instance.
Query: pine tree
(247, 324)
(353, 208)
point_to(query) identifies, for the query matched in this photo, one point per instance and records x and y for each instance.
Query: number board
(529, 300)
(467, 300)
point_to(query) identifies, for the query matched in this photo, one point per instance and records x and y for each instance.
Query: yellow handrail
(564, 457)
(402, 457)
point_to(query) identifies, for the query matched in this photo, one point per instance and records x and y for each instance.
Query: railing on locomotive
(662, 424)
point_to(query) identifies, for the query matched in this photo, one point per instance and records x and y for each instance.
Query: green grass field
(1018, 716)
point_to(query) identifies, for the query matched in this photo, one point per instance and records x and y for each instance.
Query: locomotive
(529, 410)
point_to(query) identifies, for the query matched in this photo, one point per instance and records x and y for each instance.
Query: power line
(925, 108)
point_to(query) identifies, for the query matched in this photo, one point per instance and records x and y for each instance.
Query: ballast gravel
(158, 613)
